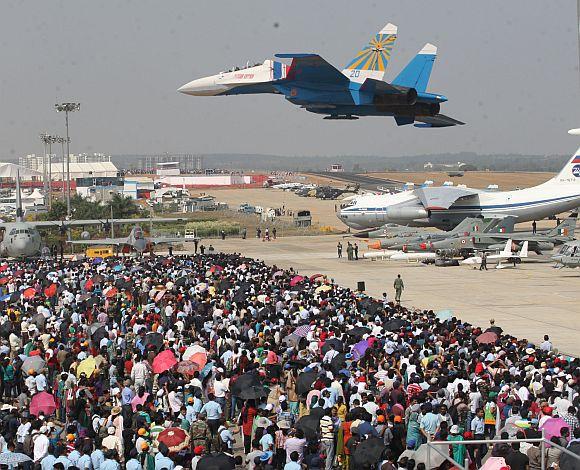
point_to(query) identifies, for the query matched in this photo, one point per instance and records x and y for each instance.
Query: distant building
(336, 168)
(35, 162)
(186, 163)
(84, 170)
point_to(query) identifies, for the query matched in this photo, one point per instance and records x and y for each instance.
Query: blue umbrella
(206, 370)
(444, 315)
(117, 268)
(5, 297)
(97, 260)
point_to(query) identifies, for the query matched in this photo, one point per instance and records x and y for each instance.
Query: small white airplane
(513, 258)
(382, 254)
(414, 256)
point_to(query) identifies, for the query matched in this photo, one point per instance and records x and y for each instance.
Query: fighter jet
(136, 241)
(569, 255)
(359, 90)
(22, 239)
(538, 242)
(507, 254)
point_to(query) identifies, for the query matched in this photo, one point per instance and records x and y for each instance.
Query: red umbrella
(89, 284)
(215, 268)
(112, 292)
(188, 367)
(29, 293)
(3, 268)
(295, 280)
(176, 439)
(315, 276)
(199, 358)
(50, 291)
(488, 337)
(42, 403)
(165, 360)
(4, 280)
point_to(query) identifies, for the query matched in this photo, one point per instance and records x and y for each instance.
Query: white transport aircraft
(446, 206)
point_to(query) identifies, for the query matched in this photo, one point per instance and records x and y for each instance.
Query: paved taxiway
(527, 302)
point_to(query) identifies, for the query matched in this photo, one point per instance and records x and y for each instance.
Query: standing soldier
(355, 248)
(399, 286)
(199, 432)
(483, 261)
(349, 251)
(339, 249)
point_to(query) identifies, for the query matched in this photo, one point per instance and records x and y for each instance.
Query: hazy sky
(509, 68)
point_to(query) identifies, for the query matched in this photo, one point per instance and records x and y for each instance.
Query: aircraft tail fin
(507, 250)
(372, 60)
(566, 228)
(468, 225)
(417, 72)
(19, 211)
(570, 174)
(524, 250)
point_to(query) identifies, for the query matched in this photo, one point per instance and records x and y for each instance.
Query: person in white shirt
(40, 447)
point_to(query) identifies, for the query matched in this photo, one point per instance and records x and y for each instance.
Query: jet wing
(312, 68)
(442, 197)
(76, 223)
(160, 240)
(439, 120)
(100, 241)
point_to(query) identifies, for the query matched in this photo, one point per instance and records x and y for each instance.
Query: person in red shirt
(249, 412)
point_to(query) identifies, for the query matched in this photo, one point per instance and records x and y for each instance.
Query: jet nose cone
(201, 87)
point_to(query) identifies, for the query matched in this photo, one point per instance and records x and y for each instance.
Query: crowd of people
(221, 361)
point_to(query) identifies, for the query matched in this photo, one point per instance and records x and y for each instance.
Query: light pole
(67, 108)
(47, 141)
(62, 141)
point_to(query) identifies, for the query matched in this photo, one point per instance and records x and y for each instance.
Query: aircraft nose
(201, 87)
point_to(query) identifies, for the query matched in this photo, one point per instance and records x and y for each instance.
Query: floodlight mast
(67, 108)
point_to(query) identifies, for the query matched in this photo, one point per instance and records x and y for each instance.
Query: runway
(370, 183)
(527, 302)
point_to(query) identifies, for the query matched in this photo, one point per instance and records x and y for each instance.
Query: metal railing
(432, 446)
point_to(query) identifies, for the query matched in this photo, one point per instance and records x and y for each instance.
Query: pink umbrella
(42, 403)
(315, 276)
(488, 337)
(552, 427)
(295, 280)
(165, 360)
(188, 368)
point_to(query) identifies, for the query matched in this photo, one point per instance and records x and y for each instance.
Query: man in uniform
(199, 431)
(399, 286)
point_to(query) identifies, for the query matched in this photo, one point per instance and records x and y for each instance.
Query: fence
(433, 446)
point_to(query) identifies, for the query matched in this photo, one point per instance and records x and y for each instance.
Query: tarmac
(529, 301)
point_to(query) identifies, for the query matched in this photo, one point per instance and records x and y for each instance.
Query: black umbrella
(6, 329)
(243, 382)
(358, 331)
(92, 301)
(291, 340)
(252, 392)
(216, 462)
(153, 339)
(396, 324)
(309, 425)
(338, 363)
(123, 284)
(305, 381)
(224, 284)
(369, 452)
(39, 320)
(15, 297)
(338, 345)
(495, 329)
(98, 335)
(182, 281)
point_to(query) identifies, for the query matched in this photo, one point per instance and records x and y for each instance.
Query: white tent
(10, 170)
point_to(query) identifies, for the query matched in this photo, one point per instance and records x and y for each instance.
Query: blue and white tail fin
(417, 72)
(570, 174)
(372, 60)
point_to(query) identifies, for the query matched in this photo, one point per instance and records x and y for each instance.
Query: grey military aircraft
(538, 242)
(569, 255)
(420, 239)
(22, 239)
(136, 240)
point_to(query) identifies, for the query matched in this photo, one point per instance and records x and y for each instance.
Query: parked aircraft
(445, 206)
(569, 255)
(506, 255)
(136, 240)
(22, 239)
(359, 90)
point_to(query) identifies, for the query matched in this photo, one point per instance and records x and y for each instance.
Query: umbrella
(295, 280)
(215, 268)
(117, 268)
(305, 381)
(191, 350)
(29, 293)
(291, 340)
(277, 274)
(112, 292)
(98, 335)
(358, 331)
(494, 463)
(98, 278)
(3, 268)
(309, 425)
(15, 297)
(94, 327)
(42, 403)
(338, 345)
(199, 358)
(12, 459)
(552, 427)
(495, 329)
(165, 360)
(89, 284)
(486, 338)
(338, 363)
(420, 456)
(87, 367)
(34, 363)
(50, 291)
(324, 288)
(176, 439)
(395, 325)
(359, 349)
(302, 330)
(4, 280)
(153, 339)
(182, 281)
(245, 381)
(444, 315)
(188, 367)
(215, 462)
(253, 392)
(206, 370)
(39, 320)
(5, 297)
(97, 260)
(369, 452)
